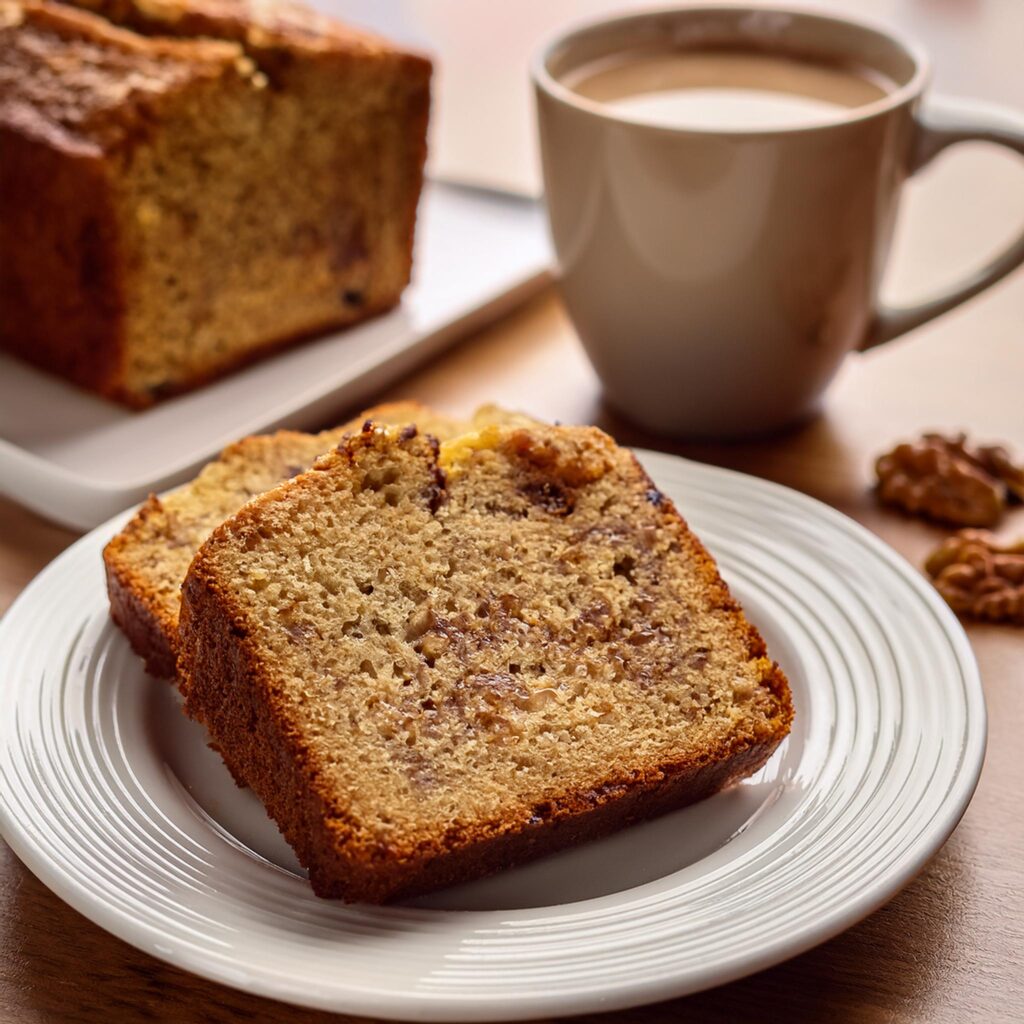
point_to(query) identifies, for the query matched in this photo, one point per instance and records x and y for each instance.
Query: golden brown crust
(577, 820)
(237, 696)
(73, 325)
(134, 605)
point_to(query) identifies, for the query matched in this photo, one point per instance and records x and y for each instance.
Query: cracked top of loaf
(71, 79)
(87, 75)
(252, 23)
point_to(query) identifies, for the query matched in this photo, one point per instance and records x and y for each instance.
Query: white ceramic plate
(112, 799)
(77, 459)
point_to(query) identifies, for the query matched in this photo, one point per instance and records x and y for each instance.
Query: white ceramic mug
(717, 278)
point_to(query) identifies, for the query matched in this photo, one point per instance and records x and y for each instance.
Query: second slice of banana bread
(146, 561)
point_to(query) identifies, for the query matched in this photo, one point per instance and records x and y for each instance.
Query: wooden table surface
(950, 947)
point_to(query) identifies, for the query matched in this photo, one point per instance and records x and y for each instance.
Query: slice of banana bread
(172, 207)
(431, 665)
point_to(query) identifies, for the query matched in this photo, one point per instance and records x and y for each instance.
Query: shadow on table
(810, 450)
(57, 966)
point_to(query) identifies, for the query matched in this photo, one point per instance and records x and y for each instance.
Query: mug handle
(943, 123)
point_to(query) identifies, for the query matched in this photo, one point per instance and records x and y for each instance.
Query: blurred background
(482, 129)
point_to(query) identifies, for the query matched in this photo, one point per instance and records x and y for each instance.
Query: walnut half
(945, 479)
(980, 577)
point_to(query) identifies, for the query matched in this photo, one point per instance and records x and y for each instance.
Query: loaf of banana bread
(200, 183)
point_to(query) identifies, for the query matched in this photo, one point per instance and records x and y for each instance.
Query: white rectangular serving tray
(77, 459)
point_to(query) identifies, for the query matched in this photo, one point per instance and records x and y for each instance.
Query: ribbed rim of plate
(895, 686)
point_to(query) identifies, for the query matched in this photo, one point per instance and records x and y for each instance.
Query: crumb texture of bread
(197, 185)
(146, 561)
(433, 664)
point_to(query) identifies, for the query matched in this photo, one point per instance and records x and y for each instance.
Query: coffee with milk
(726, 89)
